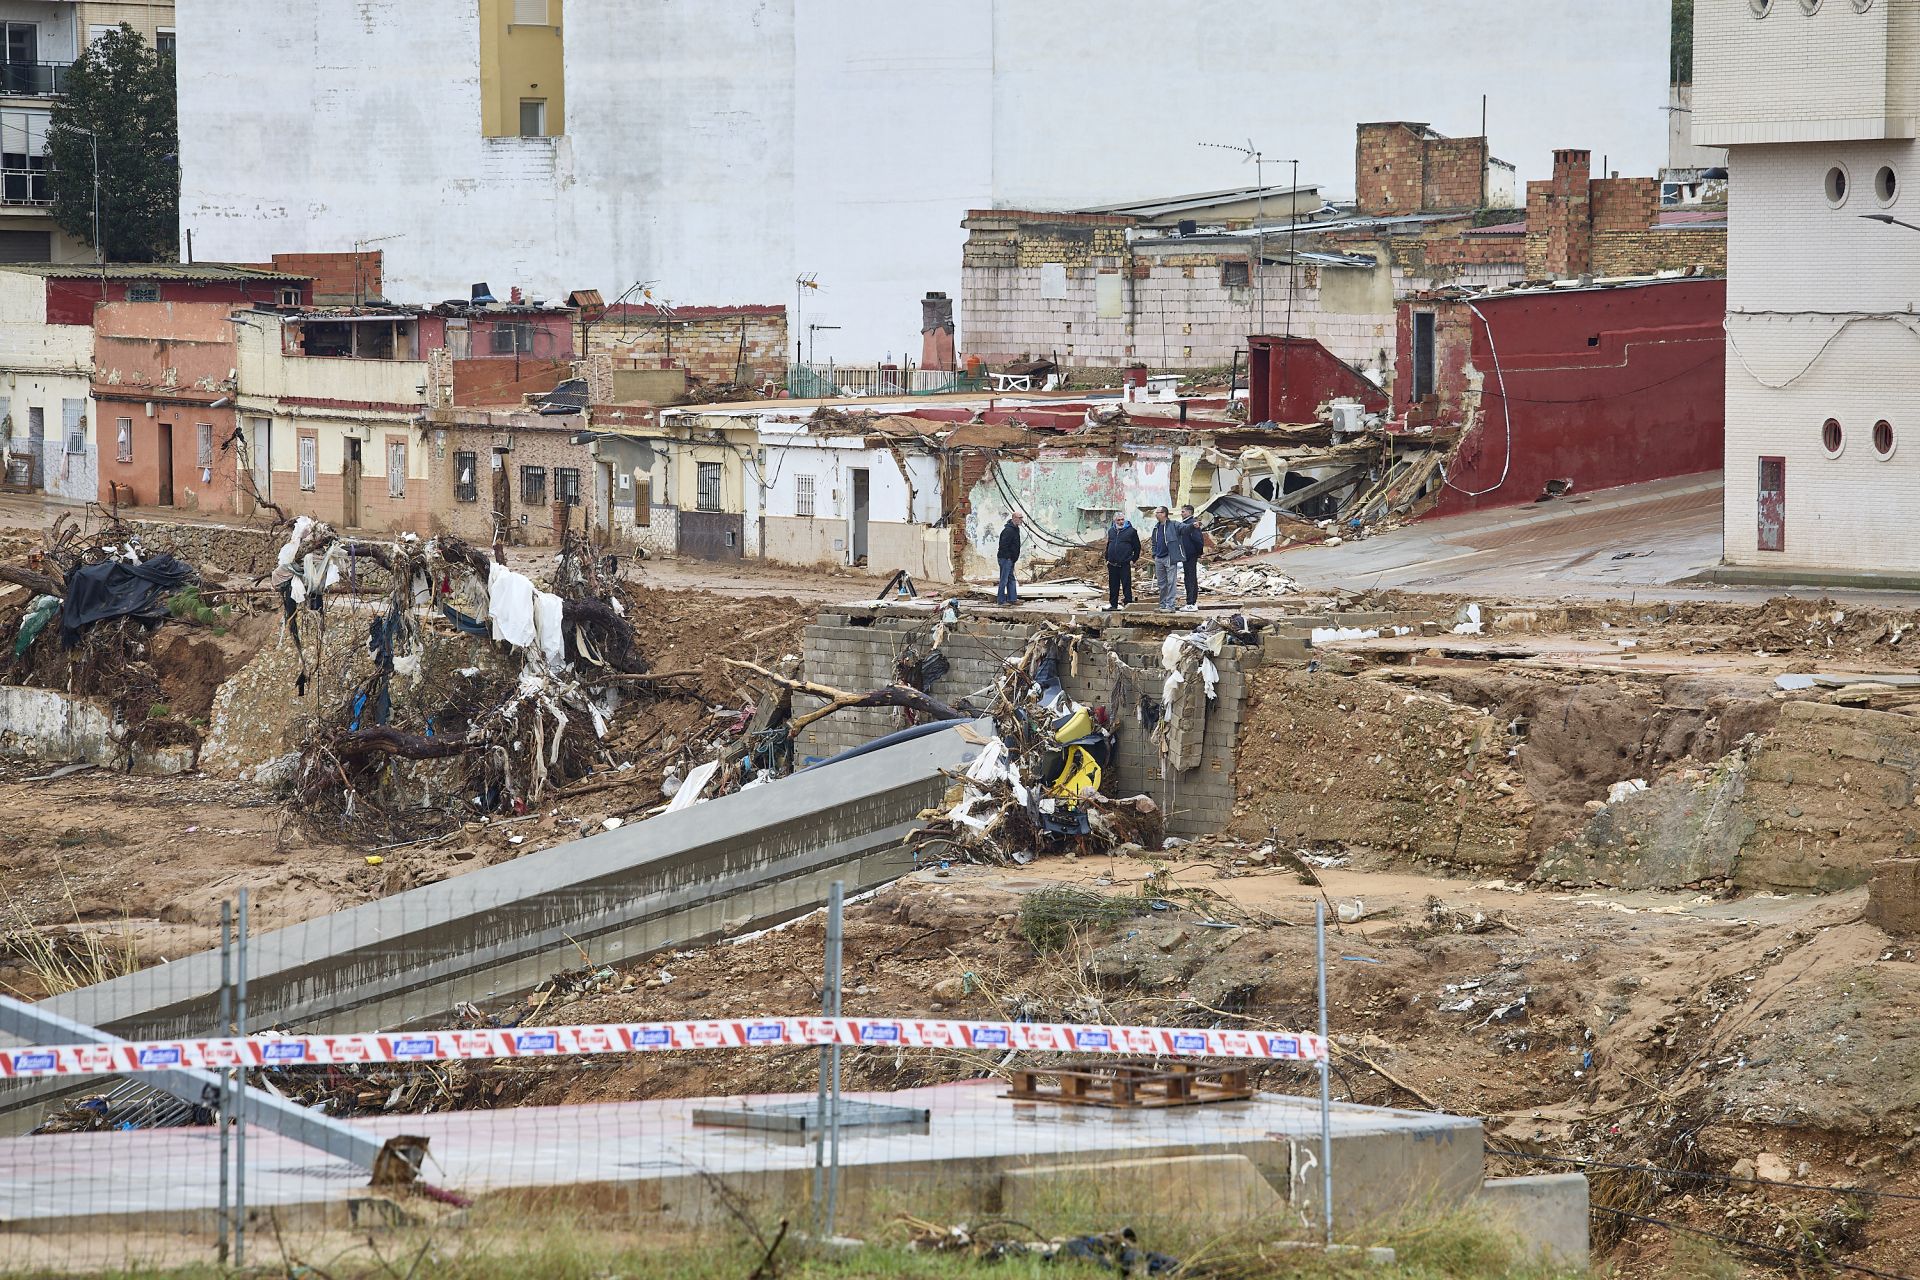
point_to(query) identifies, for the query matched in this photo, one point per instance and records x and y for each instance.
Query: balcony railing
(26, 186)
(34, 79)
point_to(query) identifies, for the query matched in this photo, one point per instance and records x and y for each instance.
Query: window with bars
(309, 463)
(803, 495)
(123, 439)
(512, 339)
(707, 486)
(396, 469)
(466, 486)
(566, 485)
(73, 420)
(533, 486)
(203, 444)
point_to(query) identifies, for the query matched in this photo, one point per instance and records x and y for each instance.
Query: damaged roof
(204, 272)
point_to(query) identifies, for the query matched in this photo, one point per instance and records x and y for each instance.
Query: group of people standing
(1177, 546)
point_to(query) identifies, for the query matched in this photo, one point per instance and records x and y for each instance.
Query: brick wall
(1387, 168)
(708, 342)
(1456, 174)
(1641, 253)
(1402, 167)
(849, 656)
(1623, 204)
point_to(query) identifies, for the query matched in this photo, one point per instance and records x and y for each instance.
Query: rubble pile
(1038, 784)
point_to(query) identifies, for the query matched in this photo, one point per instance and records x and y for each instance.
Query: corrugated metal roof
(204, 272)
(1691, 218)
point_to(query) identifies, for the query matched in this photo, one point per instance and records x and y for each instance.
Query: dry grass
(64, 957)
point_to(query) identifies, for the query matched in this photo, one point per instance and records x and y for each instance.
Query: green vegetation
(1452, 1247)
(122, 92)
(1051, 918)
(1682, 42)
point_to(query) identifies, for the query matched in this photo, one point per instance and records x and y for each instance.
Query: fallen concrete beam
(752, 858)
(36, 1024)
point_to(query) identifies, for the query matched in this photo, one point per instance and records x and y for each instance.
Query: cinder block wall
(858, 653)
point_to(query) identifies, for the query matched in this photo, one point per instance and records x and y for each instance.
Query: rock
(1742, 1168)
(1769, 1167)
(949, 990)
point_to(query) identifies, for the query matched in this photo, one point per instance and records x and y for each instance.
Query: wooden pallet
(1130, 1084)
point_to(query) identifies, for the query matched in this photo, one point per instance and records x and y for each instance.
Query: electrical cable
(1704, 1176)
(1733, 345)
(1506, 414)
(1755, 1245)
(1611, 395)
(1040, 530)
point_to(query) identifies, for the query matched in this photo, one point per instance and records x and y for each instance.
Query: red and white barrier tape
(648, 1037)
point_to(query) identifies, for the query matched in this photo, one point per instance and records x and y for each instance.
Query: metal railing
(828, 381)
(26, 186)
(34, 79)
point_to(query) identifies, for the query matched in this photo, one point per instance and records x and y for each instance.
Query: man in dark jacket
(1166, 559)
(1123, 548)
(1008, 592)
(1193, 541)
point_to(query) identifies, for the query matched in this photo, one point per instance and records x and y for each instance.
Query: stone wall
(856, 653)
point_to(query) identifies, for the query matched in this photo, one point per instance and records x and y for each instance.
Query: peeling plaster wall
(1068, 499)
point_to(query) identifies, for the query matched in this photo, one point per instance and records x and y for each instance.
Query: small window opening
(1836, 186)
(1831, 437)
(1883, 439)
(1885, 184)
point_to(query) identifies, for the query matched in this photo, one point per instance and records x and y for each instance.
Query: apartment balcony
(25, 188)
(33, 79)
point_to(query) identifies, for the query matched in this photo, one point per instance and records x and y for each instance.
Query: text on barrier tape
(645, 1037)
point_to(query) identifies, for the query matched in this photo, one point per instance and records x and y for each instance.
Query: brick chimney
(936, 332)
(1570, 215)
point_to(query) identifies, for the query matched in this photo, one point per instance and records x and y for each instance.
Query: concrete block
(1548, 1212)
(1893, 895)
(1219, 1191)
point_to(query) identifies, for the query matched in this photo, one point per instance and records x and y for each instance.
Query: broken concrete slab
(1548, 1212)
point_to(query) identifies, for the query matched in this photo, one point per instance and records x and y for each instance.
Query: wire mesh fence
(272, 1099)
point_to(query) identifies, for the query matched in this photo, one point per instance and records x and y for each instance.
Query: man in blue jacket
(1193, 541)
(1123, 548)
(1008, 592)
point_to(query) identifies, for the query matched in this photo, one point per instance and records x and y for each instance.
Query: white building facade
(719, 150)
(1816, 102)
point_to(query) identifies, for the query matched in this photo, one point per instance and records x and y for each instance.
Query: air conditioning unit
(1349, 418)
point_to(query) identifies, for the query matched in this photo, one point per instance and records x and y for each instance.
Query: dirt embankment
(1623, 780)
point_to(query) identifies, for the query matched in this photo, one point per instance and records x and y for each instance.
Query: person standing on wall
(1193, 541)
(1123, 548)
(1166, 559)
(1008, 592)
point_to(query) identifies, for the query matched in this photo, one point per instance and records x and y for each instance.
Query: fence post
(1326, 1066)
(836, 933)
(827, 1096)
(226, 1077)
(240, 1094)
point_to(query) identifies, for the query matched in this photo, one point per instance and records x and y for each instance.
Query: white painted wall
(1820, 318)
(721, 148)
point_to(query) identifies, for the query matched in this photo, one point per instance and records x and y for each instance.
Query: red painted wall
(1288, 379)
(1602, 387)
(70, 300)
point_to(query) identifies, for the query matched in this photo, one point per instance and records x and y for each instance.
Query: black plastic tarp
(116, 589)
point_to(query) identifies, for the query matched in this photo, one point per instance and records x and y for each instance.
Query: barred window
(309, 463)
(707, 488)
(396, 469)
(533, 486)
(123, 436)
(465, 485)
(803, 495)
(566, 485)
(203, 444)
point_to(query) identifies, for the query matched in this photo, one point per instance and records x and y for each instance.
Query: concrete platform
(642, 1160)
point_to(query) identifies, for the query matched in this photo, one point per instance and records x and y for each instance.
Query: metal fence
(811, 382)
(570, 1100)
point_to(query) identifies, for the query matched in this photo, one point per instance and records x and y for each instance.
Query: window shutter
(530, 13)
